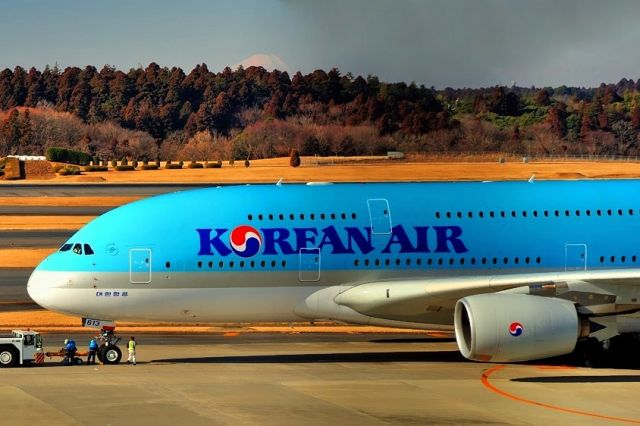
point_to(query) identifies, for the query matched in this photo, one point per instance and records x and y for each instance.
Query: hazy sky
(457, 43)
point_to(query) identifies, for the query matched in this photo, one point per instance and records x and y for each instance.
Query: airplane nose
(40, 288)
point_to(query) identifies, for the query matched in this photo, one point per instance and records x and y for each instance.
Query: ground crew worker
(70, 351)
(93, 348)
(132, 351)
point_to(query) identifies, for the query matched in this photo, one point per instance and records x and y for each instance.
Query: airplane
(518, 270)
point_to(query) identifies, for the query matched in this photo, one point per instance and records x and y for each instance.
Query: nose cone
(38, 288)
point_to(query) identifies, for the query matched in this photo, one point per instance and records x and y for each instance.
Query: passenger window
(66, 247)
(88, 250)
(77, 249)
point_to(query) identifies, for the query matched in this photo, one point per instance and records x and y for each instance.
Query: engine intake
(515, 327)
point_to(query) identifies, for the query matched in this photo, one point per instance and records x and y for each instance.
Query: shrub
(96, 168)
(63, 155)
(124, 162)
(194, 165)
(105, 163)
(69, 170)
(125, 168)
(170, 165)
(114, 163)
(149, 167)
(294, 159)
(247, 163)
(214, 165)
(145, 162)
(13, 169)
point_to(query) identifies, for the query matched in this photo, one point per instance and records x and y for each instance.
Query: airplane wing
(421, 300)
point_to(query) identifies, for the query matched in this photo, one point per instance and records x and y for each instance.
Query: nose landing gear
(108, 351)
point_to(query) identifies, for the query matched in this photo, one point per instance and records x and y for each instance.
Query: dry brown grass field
(362, 170)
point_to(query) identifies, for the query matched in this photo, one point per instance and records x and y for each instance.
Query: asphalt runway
(13, 289)
(281, 379)
(13, 281)
(91, 189)
(35, 238)
(53, 210)
(289, 378)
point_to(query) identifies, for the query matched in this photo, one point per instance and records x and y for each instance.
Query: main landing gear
(617, 352)
(108, 351)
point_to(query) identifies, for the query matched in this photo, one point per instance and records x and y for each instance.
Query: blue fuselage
(414, 228)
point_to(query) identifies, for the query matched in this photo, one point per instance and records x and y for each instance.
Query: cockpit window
(66, 247)
(77, 248)
(88, 249)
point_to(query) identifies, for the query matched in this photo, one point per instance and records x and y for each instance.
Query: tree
(11, 133)
(626, 137)
(557, 119)
(35, 89)
(294, 158)
(542, 98)
(635, 117)
(26, 134)
(18, 86)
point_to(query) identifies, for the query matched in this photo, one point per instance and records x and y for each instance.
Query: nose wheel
(108, 351)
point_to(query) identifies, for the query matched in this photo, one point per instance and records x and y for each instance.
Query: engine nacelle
(515, 327)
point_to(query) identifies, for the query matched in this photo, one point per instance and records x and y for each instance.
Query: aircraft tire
(8, 356)
(594, 354)
(100, 353)
(111, 354)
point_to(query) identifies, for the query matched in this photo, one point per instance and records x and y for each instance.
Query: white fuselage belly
(80, 294)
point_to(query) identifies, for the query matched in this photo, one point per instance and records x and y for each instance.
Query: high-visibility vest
(132, 345)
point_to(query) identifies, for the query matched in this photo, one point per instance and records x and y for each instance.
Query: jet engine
(515, 327)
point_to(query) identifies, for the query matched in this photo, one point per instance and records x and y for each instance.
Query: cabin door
(575, 257)
(380, 216)
(140, 266)
(309, 264)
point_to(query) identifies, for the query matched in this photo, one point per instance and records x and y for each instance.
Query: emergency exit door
(309, 264)
(380, 216)
(575, 257)
(140, 266)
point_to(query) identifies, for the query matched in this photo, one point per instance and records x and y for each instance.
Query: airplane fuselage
(284, 253)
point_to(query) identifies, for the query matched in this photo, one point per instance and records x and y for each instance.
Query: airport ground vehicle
(108, 351)
(21, 347)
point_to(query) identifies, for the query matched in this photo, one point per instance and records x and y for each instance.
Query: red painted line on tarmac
(231, 334)
(487, 384)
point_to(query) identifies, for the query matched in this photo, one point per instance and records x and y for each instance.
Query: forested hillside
(161, 112)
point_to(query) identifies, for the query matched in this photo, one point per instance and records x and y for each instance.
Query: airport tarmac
(289, 378)
(53, 210)
(92, 189)
(285, 379)
(13, 287)
(34, 238)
